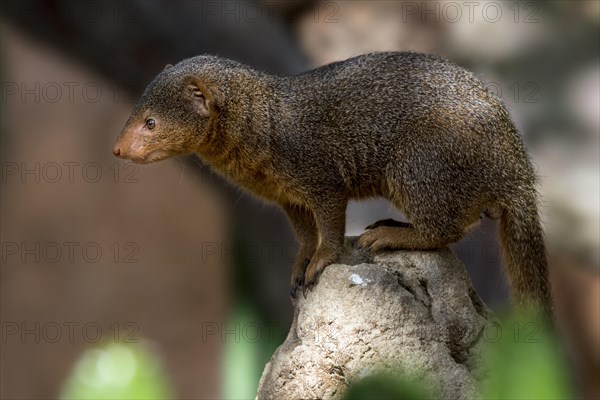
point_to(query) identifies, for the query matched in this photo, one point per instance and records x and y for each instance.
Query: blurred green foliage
(385, 387)
(118, 371)
(525, 360)
(245, 356)
(241, 369)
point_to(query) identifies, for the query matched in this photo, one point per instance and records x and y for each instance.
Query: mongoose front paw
(298, 272)
(313, 273)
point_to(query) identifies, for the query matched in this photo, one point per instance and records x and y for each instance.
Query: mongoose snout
(137, 143)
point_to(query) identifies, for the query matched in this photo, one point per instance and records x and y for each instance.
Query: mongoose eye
(150, 123)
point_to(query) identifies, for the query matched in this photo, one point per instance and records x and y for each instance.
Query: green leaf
(524, 360)
(117, 371)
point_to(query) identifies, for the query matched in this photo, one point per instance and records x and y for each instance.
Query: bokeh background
(166, 281)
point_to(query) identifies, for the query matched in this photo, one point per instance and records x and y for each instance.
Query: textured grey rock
(406, 312)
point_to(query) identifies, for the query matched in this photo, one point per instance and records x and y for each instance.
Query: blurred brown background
(174, 251)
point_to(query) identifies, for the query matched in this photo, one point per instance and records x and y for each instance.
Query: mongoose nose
(116, 151)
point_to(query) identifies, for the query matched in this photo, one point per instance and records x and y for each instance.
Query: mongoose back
(413, 128)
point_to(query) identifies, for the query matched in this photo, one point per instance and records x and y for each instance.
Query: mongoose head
(172, 117)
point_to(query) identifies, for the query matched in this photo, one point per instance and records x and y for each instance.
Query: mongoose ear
(167, 67)
(200, 96)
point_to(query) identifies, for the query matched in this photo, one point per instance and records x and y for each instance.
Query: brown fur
(413, 128)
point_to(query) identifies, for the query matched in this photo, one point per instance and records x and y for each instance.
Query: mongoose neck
(250, 118)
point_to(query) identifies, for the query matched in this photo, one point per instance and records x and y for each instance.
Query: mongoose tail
(525, 254)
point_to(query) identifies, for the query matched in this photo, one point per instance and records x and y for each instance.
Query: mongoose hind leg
(305, 227)
(389, 222)
(430, 229)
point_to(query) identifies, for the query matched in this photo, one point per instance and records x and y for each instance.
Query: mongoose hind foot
(397, 238)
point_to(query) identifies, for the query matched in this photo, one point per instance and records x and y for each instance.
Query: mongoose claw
(307, 287)
(296, 287)
(305, 290)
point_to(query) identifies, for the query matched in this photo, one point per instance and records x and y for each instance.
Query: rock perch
(413, 313)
